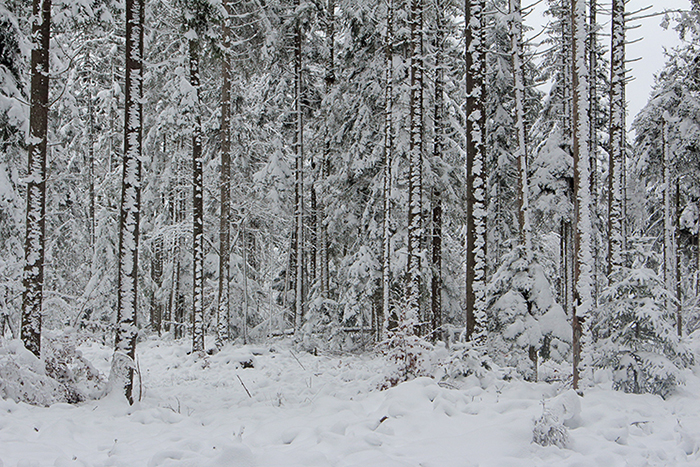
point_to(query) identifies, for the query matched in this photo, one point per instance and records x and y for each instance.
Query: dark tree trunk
(127, 278)
(299, 179)
(225, 187)
(475, 167)
(33, 279)
(436, 283)
(197, 210)
(388, 147)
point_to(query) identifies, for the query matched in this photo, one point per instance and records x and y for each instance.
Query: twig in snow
(295, 358)
(246, 389)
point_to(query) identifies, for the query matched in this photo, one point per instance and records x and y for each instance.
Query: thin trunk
(436, 285)
(668, 222)
(325, 163)
(157, 278)
(225, 187)
(388, 146)
(617, 144)
(244, 240)
(519, 88)
(415, 214)
(33, 279)
(582, 239)
(475, 168)
(127, 276)
(91, 179)
(197, 210)
(679, 317)
(299, 179)
(593, 141)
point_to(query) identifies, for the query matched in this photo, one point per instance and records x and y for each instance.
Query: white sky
(648, 51)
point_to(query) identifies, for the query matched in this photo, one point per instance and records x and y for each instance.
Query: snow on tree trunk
(33, 279)
(668, 217)
(91, 180)
(330, 80)
(122, 373)
(299, 178)
(415, 209)
(519, 89)
(224, 185)
(617, 143)
(593, 140)
(197, 209)
(388, 145)
(584, 260)
(436, 283)
(475, 167)
(157, 278)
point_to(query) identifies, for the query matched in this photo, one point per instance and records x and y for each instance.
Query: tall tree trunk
(415, 214)
(475, 167)
(325, 164)
(127, 276)
(679, 316)
(33, 279)
(225, 186)
(436, 283)
(299, 178)
(197, 209)
(617, 143)
(593, 140)
(388, 147)
(519, 89)
(584, 260)
(668, 218)
(91, 179)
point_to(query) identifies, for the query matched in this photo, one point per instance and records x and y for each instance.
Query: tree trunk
(127, 276)
(330, 80)
(225, 187)
(584, 260)
(438, 145)
(197, 210)
(299, 178)
(415, 214)
(91, 179)
(679, 316)
(388, 147)
(33, 279)
(157, 278)
(593, 141)
(668, 217)
(475, 167)
(617, 143)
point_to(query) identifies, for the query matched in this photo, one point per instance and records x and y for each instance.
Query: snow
(305, 410)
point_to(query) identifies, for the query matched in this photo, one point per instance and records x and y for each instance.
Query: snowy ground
(325, 411)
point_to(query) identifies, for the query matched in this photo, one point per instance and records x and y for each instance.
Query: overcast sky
(648, 50)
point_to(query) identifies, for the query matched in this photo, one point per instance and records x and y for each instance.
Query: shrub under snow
(61, 375)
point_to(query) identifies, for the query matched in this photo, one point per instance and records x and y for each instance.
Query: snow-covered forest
(346, 232)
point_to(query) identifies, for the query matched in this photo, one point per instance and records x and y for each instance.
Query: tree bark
(299, 178)
(225, 186)
(197, 209)
(388, 148)
(33, 279)
(438, 146)
(325, 164)
(127, 276)
(677, 232)
(415, 221)
(475, 167)
(583, 262)
(593, 140)
(617, 143)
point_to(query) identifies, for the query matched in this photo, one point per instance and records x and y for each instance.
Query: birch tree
(127, 277)
(33, 279)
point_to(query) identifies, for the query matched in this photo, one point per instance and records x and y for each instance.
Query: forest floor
(297, 409)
